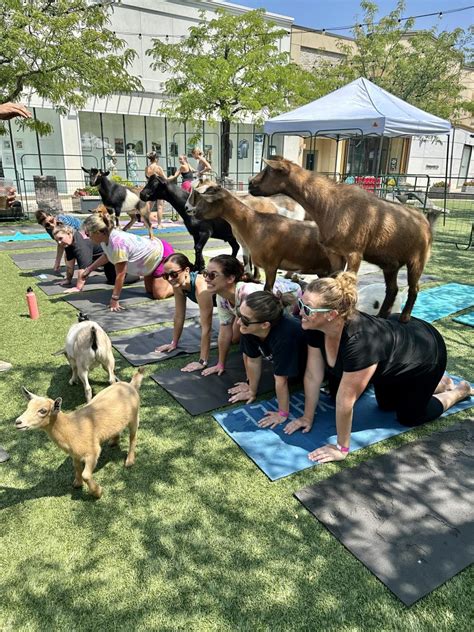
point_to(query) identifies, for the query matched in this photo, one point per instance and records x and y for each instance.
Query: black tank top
(187, 176)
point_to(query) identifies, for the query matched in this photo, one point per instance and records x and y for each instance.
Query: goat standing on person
(88, 346)
(81, 433)
(357, 225)
(118, 198)
(273, 241)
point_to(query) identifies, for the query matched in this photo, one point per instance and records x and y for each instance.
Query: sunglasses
(210, 275)
(173, 274)
(246, 322)
(309, 311)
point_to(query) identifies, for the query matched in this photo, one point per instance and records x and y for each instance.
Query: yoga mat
(377, 277)
(96, 301)
(408, 516)
(279, 455)
(149, 313)
(22, 237)
(140, 348)
(28, 245)
(35, 260)
(198, 394)
(96, 281)
(465, 319)
(443, 300)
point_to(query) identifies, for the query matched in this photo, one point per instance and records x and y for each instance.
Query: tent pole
(379, 158)
(335, 161)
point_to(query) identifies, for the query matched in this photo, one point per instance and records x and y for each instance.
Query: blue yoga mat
(279, 455)
(443, 300)
(24, 237)
(465, 319)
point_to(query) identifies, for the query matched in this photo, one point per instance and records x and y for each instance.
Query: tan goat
(81, 433)
(273, 241)
(357, 225)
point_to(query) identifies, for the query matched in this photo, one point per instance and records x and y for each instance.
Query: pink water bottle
(32, 304)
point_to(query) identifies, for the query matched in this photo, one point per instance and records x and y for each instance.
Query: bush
(439, 185)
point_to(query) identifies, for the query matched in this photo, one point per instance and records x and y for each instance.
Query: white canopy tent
(360, 107)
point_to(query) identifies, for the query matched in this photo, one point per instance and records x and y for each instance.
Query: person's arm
(313, 378)
(272, 419)
(351, 387)
(247, 391)
(93, 266)
(121, 270)
(178, 322)
(207, 166)
(223, 343)
(59, 255)
(70, 263)
(204, 300)
(176, 175)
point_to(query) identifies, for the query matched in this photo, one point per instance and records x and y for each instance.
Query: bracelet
(284, 413)
(203, 362)
(342, 448)
(220, 365)
(115, 297)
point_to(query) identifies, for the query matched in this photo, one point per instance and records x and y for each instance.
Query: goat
(357, 225)
(158, 188)
(118, 198)
(81, 433)
(273, 241)
(87, 346)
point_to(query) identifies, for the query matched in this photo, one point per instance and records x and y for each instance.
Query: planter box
(468, 189)
(89, 203)
(438, 190)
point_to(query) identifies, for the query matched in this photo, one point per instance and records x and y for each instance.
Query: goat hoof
(72, 381)
(404, 318)
(97, 492)
(130, 461)
(77, 483)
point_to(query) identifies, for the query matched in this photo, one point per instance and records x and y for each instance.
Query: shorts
(167, 251)
(187, 185)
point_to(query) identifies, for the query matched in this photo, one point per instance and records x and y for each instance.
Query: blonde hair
(62, 228)
(98, 222)
(338, 292)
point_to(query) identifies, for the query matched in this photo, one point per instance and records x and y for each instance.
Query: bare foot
(464, 388)
(445, 384)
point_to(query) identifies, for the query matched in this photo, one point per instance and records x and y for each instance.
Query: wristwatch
(203, 362)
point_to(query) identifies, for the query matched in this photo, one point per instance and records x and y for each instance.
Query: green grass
(192, 537)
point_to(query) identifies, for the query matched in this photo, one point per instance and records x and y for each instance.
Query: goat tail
(432, 216)
(94, 343)
(58, 353)
(137, 378)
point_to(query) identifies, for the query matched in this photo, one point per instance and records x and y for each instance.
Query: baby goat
(81, 433)
(87, 346)
(118, 198)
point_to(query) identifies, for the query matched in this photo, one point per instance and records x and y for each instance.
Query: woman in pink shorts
(185, 171)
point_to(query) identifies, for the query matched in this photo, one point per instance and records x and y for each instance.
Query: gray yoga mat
(149, 313)
(140, 348)
(198, 394)
(96, 301)
(35, 260)
(96, 281)
(377, 277)
(408, 516)
(25, 245)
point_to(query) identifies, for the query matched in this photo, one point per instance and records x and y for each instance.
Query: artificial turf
(194, 536)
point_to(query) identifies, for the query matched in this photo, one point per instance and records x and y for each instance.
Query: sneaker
(4, 456)
(5, 366)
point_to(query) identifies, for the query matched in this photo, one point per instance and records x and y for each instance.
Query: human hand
(71, 290)
(302, 423)
(57, 267)
(166, 348)
(238, 387)
(13, 110)
(192, 366)
(217, 368)
(326, 454)
(115, 306)
(247, 396)
(64, 282)
(271, 419)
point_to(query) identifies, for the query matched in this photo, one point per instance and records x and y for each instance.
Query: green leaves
(62, 50)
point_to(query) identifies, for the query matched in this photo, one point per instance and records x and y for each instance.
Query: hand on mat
(271, 420)
(57, 267)
(301, 423)
(242, 396)
(64, 282)
(71, 290)
(167, 348)
(192, 366)
(239, 387)
(115, 306)
(326, 454)
(213, 369)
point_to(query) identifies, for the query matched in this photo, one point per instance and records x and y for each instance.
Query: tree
(423, 68)
(229, 68)
(63, 51)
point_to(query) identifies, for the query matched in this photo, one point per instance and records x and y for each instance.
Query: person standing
(154, 168)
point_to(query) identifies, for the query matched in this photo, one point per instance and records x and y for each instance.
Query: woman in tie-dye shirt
(129, 253)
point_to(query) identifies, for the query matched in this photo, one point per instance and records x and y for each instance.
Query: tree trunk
(225, 148)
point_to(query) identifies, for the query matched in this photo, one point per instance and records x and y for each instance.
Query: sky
(328, 14)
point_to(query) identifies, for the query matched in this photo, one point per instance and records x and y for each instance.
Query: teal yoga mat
(465, 319)
(443, 300)
(279, 455)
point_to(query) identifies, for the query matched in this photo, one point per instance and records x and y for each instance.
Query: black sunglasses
(246, 322)
(173, 274)
(210, 275)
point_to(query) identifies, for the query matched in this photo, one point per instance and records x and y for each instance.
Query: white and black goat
(117, 198)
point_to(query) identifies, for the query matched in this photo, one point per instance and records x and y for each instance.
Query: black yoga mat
(140, 315)
(408, 515)
(96, 301)
(198, 394)
(96, 281)
(140, 348)
(35, 260)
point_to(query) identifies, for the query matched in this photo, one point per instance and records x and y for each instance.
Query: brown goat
(357, 225)
(81, 433)
(273, 241)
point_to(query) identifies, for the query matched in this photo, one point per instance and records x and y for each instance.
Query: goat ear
(105, 173)
(86, 170)
(27, 393)
(57, 405)
(277, 165)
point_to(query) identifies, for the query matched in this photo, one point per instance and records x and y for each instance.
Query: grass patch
(193, 536)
